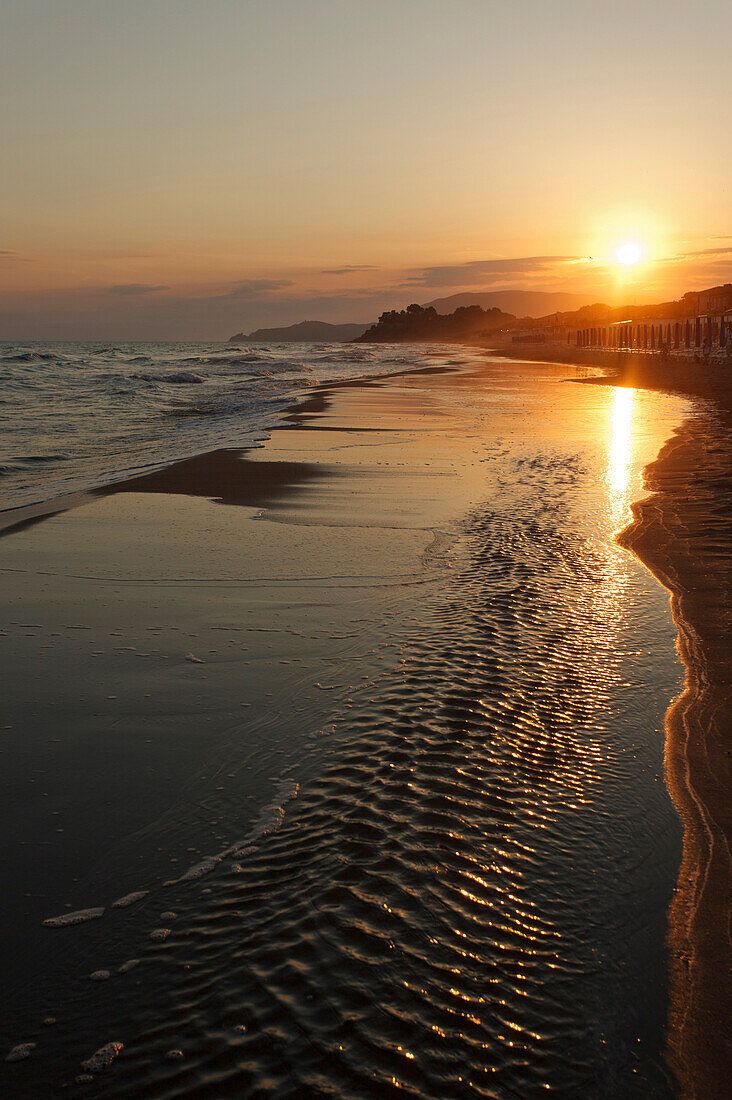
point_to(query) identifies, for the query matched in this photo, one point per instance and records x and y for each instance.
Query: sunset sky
(184, 169)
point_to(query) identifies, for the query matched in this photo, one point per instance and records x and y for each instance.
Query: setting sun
(628, 253)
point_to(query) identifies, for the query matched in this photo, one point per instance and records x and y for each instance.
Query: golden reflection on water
(620, 488)
(620, 456)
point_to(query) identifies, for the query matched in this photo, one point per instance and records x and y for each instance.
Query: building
(718, 299)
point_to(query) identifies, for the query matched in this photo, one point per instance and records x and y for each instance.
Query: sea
(78, 415)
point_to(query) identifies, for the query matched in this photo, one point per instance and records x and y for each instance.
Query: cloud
(252, 289)
(708, 251)
(12, 256)
(347, 269)
(133, 288)
(486, 272)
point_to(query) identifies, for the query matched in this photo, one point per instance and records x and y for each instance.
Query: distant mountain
(306, 332)
(522, 303)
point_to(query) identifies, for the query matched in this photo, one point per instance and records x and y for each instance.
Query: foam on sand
(79, 917)
(129, 899)
(102, 1058)
(19, 1052)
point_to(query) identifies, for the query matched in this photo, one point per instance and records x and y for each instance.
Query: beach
(357, 741)
(682, 533)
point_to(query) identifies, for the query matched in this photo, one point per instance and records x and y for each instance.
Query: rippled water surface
(434, 857)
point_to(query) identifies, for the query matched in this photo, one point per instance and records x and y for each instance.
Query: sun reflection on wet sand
(621, 456)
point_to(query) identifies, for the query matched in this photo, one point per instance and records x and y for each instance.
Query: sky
(181, 169)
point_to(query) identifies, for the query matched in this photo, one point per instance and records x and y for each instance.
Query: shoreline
(682, 533)
(677, 376)
(670, 533)
(305, 402)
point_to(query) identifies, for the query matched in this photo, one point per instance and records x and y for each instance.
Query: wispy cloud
(12, 257)
(247, 290)
(134, 288)
(708, 251)
(347, 269)
(486, 272)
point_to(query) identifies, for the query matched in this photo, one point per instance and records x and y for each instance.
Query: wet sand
(373, 692)
(683, 534)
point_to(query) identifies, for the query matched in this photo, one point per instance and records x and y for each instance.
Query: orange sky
(180, 170)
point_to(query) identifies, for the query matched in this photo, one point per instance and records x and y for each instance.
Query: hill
(416, 323)
(522, 303)
(306, 332)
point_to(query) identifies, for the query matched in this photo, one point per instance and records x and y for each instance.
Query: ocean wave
(31, 357)
(177, 378)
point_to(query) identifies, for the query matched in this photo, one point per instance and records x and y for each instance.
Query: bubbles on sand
(129, 899)
(271, 817)
(100, 975)
(79, 917)
(196, 871)
(19, 1052)
(102, 1058)
(129, 965)
(160, 934)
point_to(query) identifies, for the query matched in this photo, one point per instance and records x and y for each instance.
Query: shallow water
(434, 857)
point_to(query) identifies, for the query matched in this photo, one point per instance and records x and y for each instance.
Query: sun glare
(628, 253)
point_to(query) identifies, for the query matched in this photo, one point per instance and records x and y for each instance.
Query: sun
(628, 253)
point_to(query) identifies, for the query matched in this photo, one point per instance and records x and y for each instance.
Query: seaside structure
(699, 322)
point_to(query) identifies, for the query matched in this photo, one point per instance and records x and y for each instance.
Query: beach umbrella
(697, 331)
(687, 334)
(709, 328)
(653, 338)
(645, 336)
(638, 336)
(677, 335)
(722, 337)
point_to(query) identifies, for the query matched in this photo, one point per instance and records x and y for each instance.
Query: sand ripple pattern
(456, 907)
